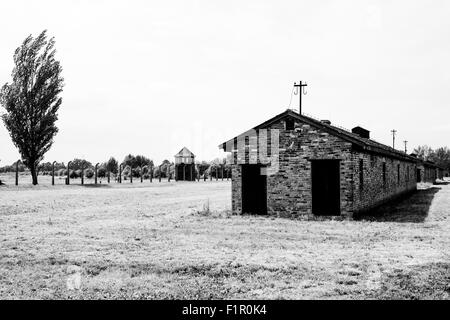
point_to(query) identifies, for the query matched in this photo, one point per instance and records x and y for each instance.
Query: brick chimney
(363, 133)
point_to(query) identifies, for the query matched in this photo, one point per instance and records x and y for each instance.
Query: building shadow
(99, 185)
(413, 207)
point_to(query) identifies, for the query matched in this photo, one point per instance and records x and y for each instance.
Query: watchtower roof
(185, 152)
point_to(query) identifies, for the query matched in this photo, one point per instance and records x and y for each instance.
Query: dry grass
(162, 241)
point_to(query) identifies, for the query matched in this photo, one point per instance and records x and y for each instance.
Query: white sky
(149, 77)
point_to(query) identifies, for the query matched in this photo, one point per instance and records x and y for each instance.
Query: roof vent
(328, 122)
(363, 133)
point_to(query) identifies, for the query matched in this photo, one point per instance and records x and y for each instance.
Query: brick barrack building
(293, 165)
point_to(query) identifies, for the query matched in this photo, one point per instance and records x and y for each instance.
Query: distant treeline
(130, 165)
(440, 156)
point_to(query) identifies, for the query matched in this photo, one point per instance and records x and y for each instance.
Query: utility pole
(300, 92)
(406, 149)
(393, 137)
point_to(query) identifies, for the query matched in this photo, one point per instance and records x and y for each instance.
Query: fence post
(68, 173)
(217, 176)
(160, 173)
(131, 174)
(96, 167)
(109, 176)
(151, 174)
(222, 173)
(17, 172)
(82, 175)
(53, 173)
(120, 174)
(142, 178)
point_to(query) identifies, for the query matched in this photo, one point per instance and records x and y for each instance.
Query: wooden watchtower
(185, 165)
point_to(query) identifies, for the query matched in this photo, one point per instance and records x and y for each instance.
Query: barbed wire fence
(61, 174)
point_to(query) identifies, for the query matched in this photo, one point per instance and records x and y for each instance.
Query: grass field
(157, 241)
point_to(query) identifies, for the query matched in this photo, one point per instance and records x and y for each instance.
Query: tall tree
(129, 160)
(136, 161)
(441, 156)
(32, 99)
(78, 164)
(143, 161)
(112, 165)
(423, 152)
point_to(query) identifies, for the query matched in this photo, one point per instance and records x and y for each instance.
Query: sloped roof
(185, 152)
(367, 145)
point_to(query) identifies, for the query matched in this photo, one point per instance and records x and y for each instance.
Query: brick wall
(236, 191)
(400, 177)
(427, 173)
(289, 189)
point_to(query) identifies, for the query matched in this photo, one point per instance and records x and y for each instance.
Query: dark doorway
(254, 189)
(419, 175)
(325, 175)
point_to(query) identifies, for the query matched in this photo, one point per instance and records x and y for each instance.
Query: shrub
(89, 173)
(126, 171)
(73, 174)
(206, 211)
(62, 172)
(136, 172)
(101, 172)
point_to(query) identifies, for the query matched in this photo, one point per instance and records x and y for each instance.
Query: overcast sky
(149, 77)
